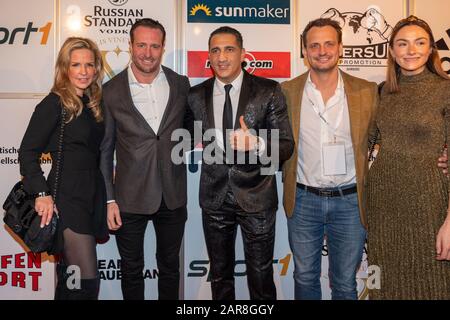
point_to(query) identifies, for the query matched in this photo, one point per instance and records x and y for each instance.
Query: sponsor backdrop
(23, 275)
(437, 16)
(258, 21)
(32, 32)
(108, 23)
(366, 27)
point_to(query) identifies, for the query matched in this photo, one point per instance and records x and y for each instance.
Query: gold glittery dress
(407, 192)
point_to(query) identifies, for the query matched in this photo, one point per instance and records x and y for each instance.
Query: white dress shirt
(150, 99)
(314, 132)
(219, 102)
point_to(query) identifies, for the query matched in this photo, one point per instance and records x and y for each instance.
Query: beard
(319, 68)
(323, 69)
(147, 69)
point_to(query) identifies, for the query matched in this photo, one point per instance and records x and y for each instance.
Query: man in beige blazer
(332, 118)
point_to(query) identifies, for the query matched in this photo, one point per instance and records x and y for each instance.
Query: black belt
(326, 192)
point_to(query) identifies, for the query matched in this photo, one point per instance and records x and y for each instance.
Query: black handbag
(21, 216)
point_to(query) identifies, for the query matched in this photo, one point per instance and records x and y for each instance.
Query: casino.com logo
(263, 64)
(239, 11)
(250, 63)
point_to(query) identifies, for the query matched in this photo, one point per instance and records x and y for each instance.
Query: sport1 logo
(12, 36)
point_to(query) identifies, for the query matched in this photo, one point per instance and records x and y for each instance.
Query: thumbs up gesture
(242, 139)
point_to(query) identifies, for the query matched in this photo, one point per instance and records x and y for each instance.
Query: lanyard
(333, 129)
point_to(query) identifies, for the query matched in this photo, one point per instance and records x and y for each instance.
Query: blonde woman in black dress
(80, 201)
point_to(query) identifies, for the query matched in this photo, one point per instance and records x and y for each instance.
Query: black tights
(80, 250)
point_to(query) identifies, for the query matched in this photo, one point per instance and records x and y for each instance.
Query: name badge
(333, 159)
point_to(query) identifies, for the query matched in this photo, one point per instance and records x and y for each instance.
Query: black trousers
(169, 230)
(258, 234)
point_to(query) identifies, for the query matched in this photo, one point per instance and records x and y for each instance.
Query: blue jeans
(337, 218)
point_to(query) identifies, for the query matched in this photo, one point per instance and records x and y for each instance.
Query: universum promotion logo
(365, 37)
(239, 11)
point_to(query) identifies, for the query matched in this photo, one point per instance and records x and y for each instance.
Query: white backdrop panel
(437, 16)
(27, 36)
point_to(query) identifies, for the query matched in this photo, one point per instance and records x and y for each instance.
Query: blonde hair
(433, 63)
(64, 88)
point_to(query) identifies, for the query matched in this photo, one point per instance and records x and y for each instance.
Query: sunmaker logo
(200, 7)
(239, 11)
(23, 34)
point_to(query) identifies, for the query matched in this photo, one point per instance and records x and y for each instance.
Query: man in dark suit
(143, 105)
(233, 194)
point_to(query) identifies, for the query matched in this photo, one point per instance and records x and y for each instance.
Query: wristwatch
(42, 194)
(257, 146)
